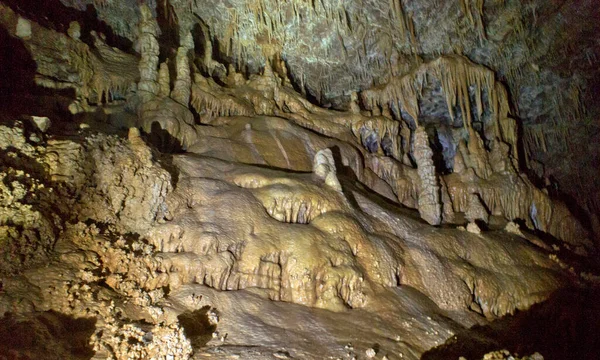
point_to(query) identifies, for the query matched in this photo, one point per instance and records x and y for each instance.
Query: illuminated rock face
(544, 51)
(302, 238)
(189, 200)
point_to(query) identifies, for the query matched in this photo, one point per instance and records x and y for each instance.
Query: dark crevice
(48, 335)
(197, 327)
(563, 327)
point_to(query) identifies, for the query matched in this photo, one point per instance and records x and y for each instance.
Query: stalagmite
(148, 86)
(513, 228)
(324, 168)
(429, 200)
(164, 80)
(74, 30)
(473, 228)
(183, 83)
(476, 210)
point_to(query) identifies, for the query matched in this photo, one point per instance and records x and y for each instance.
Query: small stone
(34, 138)
(23, 28)
(473, 228)
(370, 353)
(213, 317)
(74, 30)
(134, 133)
(41, 122)
(513, 228)
(75, 108)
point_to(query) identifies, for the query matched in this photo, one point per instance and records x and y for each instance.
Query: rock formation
(217, 180)
(429, 202)
(149, 51)
(324, 168)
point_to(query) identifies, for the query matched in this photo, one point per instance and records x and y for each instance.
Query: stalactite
(397, 13)
(476, 19)
(456, 75)
(93, 70)
(101, 3)
(379, 134)
(403, 180)
(477, 157)
(113, 70)
(211, 105)
(170, 14)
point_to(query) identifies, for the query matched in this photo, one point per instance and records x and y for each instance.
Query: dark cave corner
(19, 94)
(197, 326)
(46, 335)
(563, 327)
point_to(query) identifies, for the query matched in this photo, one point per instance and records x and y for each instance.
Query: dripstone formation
(298, 180)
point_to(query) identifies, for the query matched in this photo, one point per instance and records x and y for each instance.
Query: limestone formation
(429, 202)
(293, 180)
(324, 168)
(149, 50)
(183, 83)
(476, 210)
(164, 80)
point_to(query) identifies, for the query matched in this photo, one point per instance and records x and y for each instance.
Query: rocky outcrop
(28, 228)
(136, 245)
(542, 50)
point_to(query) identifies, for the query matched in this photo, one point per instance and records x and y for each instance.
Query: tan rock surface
(234, 218)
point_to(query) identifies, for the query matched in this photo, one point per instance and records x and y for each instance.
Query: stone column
(429, 195)
(148, 86)
(182, 88)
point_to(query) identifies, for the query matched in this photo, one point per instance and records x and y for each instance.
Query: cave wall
(544, 51)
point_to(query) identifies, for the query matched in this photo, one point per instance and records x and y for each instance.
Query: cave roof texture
(299, 179)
